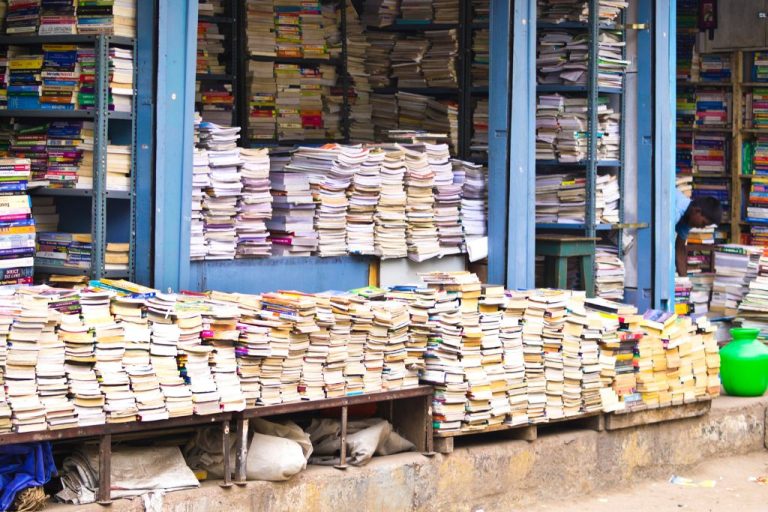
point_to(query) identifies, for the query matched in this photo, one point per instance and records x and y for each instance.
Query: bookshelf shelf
(213, 77)
(72, 271)
(77, 192)
(65, 39)
(558, 88)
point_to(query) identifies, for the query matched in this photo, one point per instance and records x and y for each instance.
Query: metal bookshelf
(229, 21)
(102, 119)
(593, 92)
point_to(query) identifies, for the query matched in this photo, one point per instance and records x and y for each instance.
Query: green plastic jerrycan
(744, 364)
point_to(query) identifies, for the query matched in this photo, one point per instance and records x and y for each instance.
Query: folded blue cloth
(23, 466)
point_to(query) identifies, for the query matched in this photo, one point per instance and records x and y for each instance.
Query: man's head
(704, 211)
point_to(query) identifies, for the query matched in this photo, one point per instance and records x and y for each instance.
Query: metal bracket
(635, 26)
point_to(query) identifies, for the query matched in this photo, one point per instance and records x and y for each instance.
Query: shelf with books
(216, 86)
(77, 192)
(214, 78)
(295, 60)
(581, 68)
(64, 39)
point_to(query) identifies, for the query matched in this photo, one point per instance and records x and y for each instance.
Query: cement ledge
(493, 473)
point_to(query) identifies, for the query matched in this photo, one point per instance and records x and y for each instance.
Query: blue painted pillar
(498, 140)
(665, 60)
(176, 57)
(521, 228)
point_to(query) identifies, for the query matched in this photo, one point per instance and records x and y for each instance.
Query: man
(697, 213)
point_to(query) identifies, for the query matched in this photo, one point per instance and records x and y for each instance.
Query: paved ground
(733, 491)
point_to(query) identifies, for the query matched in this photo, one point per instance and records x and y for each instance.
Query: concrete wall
(493, 474)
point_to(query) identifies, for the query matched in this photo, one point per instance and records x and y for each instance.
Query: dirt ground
(733, 491)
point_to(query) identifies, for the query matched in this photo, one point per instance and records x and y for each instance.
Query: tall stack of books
(198, 247)
(60, 77)
(753, 309)
(254, 206)
(709, 153)
(57, 18)
(24, 78)
(422, 236)
(448, 193)
(262, 105)
(65, 153)
(715, 67)
(220, 199)
(364, 194)
(439, 63)
(361, 109)
(533, 353)
(479, 143)
(219, 331)
(757, 208)
(511, 333)
(735, 267)
(713, 108)
(22, 17)
(17, 227)
(481, 58)
(293, 209)
(390, 217)
(609, 272)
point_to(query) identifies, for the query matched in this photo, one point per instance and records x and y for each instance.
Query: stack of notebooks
(735, 267)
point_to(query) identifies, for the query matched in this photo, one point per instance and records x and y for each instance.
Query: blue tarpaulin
(23, 466)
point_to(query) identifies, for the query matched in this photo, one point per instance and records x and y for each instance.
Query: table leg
(588, 275)
(429, 427)
(226, 450)
(242, 451)
(561, 273)
(343, 448)
(104, 494)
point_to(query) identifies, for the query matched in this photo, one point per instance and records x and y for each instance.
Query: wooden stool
(556, 250)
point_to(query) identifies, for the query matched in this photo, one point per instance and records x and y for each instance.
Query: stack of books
(607, 196)
(361, 109)
(67, 250)
(422, 236)
(709, 153)
(65, 149)
(254, 206)
(291, 227)
(57, 18)
(22, 17)
(609, 272)
(380, 13)
(364, 194)
(260, 30)
(60, 77)
(17, 224)
(390, 218)
(715, 67)
(757, 208)
(713, 108)
(439, 63)
(24, 78)
(210, 49)
(198, 246)
(220, 199)
(378, 64)
(753, 310)
(480, 120)
(449, 182)
(474, 199)
(683, 288)
(113, 17)
(481, 58)
(760, 67)
(701, 291)
(262, 88)
(735, 267)
(219, 331)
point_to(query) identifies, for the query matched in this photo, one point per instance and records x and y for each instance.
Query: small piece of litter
(687, 482)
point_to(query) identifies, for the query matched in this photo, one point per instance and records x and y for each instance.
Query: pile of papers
(609, 273)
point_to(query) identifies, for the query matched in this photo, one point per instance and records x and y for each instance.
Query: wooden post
(428, 426)
(104, 494)
(343, 448)
(242, 451)
(226, 450)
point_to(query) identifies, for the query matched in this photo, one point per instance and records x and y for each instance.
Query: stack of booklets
(24, 78)
(479, 142)
(701, 291)
(609, 137)
(210, 49)
(406, 58)
(291, 227)
(364, 194)
(560, 198)
(422, 236)
(22, 17)
(255, 205)
(390, 332)
(609, 273)
(17, 224)
(299, 101)
(260, 30)
(220, 333)
(474, 200)
(611, 63)
(416, 10)
(481, 58)
(390, 217)
(713, 108)
(735, 267)
(220, 199)
(380, 13)
(60, 77)
(68, 250)
(548, 109)
(753, 310)
(262, 107)
(378, 63)
(361, 109)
